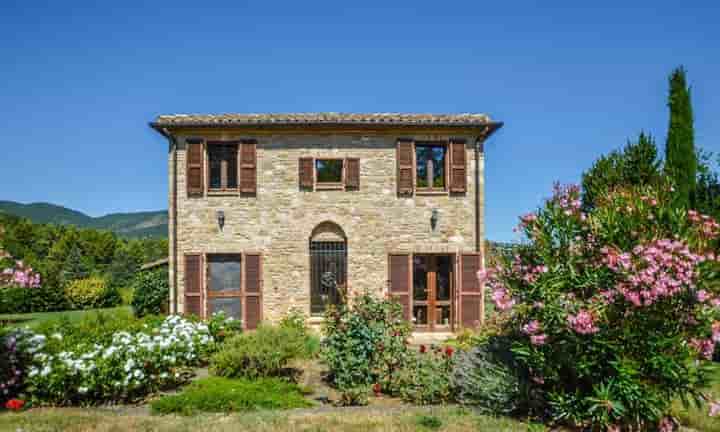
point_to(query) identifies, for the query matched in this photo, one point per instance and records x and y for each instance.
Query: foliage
(429, 421)
(612, 309)
(635, 165)
(12, 362)
(365, 342)
(21, 291)
(680, 157)
(424, 378)
(215, 394)
(266, 352)
(151, 292)
(61, 254)
(223, 327)
(85, 366)
(707, 192)
(488, 377)
(354, 396)
(296, 319)
(91, 293)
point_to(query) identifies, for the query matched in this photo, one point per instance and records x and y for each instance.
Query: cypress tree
(680, 156)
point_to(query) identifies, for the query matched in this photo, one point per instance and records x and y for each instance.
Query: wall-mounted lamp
(434, 218)
(220, 218)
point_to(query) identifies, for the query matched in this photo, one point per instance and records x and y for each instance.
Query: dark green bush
(488, 378)
(266, 352)
(424, 379)
(365, 343)
(224, 395)
(15, 299)
(151, 292)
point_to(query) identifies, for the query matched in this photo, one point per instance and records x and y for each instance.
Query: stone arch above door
(328, 232)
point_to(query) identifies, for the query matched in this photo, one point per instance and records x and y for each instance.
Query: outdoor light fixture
(434, 218)
(220, 218)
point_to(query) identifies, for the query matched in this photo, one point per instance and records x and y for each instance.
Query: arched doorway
(328, 267)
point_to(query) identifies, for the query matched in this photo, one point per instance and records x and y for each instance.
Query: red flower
(14, 404)
(376, 388)
(449, 351)
(423, 349)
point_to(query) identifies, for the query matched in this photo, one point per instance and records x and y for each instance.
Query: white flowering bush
(130, 366)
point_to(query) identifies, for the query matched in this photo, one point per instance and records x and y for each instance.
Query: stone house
(273, 212)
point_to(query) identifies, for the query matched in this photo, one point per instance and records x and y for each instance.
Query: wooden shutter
(471, 294)
(253, 290)
(194, 170)
(248, 167)
(194, 285)
(306, 173)
(400, 281)
(458, 166)
(405, 167)
(352, 173)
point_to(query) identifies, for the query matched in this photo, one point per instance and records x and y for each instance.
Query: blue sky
(79, 82)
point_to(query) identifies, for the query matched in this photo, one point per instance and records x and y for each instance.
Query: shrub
(488, 377)
(365, 342)
(151, 292)
(425, 377)
(296, 320)
(21, 291)
(613, 309)
(92, 292)
(354, 396)
(225, 395)
(266, 352)
(13, 363)
(222, 327)
(71, 370)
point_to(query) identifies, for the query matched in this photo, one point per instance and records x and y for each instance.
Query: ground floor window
(328, 274)
(224, 289)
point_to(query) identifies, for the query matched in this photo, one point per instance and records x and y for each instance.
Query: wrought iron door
(328, 274)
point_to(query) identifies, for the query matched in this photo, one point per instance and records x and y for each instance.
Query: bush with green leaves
(151, 292)
(615, 310)
(265, 352)
(489, 378)
(92, 292)
(424, 378)
(365, 342)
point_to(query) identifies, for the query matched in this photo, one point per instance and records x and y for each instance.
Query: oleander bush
(614, 310)
(365, 343)
(151, 292)
(266, 352)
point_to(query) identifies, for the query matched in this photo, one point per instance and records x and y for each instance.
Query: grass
(451, 419)
(34, 319)
(697, 418)
(216, 394)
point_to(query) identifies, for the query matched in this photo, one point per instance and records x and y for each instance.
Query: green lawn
(33, 319)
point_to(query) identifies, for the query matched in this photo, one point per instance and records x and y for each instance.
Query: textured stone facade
(279, 221)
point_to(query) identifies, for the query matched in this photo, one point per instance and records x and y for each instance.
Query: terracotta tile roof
(329, 118)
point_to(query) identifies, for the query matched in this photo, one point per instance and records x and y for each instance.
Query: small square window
(329, 171)
(430, 166)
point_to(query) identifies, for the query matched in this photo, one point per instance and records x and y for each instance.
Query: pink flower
(704, 347)
(613, 428)
(538, 339)
(502, 299)
(583, 322)
(702, 296)
(666, 425)
(714, 408)
(538, 380)
(716, 331)
(531, 328)
(482, 275)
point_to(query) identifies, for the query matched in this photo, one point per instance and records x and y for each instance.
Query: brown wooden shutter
(248, 167)
(458, 167)
(253, 290)
(306, 173)
(405, 167)
(352, 173)
(194, 156)
(400, 281)
(471, 297)
(194, 285)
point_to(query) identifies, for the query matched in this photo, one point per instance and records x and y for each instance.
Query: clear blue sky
(571, 80)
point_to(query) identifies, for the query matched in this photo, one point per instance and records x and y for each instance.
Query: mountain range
(137, 224)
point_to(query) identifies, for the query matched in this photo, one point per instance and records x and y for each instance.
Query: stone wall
(279, 221)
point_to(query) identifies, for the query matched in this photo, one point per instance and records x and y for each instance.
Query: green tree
(75, 266)
(707, 192)
(636, 164)
(680, 157)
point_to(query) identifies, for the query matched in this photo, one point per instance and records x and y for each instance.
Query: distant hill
(139, 224)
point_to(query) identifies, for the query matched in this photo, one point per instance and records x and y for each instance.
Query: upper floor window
(430, 166)
(329, 172)
(222, 160)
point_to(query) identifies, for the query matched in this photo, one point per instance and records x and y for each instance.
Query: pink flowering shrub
(613, 311)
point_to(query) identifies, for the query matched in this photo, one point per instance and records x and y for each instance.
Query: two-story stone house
(270, 212)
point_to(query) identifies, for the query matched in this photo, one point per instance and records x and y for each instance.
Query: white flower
(57, 336)
(45, 371)
(82, 390)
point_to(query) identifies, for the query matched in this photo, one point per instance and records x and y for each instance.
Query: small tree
(680, 158)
